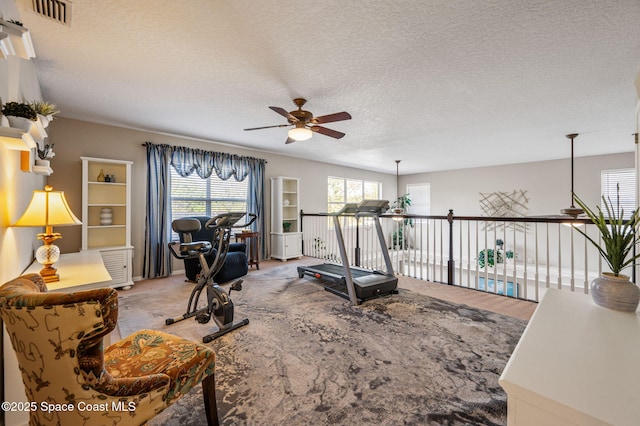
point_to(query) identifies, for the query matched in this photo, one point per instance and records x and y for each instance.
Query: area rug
(308, 357)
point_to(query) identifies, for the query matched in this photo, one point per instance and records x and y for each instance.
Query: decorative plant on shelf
(44, 108)
(46, 152)
(16, 109)
(614, 290)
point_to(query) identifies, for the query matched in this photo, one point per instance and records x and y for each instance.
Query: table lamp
(48, 208)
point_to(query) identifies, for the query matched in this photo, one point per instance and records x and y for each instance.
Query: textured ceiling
(437, 84)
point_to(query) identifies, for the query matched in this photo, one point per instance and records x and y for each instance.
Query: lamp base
(49, 274)
(46, 255)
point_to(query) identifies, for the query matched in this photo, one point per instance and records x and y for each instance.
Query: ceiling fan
(305, 123)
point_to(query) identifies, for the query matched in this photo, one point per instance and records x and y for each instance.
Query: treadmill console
(377, 207)
(373, 206)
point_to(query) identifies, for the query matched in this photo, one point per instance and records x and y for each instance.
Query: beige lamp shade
(48, 208)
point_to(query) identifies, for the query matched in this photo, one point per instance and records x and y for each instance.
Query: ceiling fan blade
(268, 127)
(283, 112)
(327, 132)
(338, 116)
(290, 140)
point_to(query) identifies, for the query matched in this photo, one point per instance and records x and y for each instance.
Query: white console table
(575, 364)
(84, 270)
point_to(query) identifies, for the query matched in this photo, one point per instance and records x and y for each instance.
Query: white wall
(547, 183)
(74, 138)
(17, 83)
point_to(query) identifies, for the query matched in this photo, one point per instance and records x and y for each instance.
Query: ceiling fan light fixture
(300, 133)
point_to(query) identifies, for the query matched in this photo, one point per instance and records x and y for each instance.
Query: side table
(252, 238)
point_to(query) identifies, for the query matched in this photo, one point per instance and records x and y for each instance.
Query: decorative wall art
(505, 204)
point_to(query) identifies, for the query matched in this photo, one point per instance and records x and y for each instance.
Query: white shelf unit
(112, 241)
(285, 244)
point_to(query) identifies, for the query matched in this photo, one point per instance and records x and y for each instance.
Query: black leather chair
(235, 264)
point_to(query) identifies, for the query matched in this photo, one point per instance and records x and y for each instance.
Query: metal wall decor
(505, 204)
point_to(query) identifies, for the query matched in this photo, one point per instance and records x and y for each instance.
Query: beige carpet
(308, 357)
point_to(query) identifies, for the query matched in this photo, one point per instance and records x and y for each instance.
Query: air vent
(59, 11)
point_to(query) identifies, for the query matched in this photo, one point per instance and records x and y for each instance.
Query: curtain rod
(172, 146)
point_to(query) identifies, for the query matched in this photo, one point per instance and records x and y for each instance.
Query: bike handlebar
(229, 220)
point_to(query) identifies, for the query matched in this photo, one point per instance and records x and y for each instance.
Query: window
(343, 190)
(420, 196)
(625, 197)
(194, 196)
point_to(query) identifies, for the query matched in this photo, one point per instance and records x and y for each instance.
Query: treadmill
(353, 283)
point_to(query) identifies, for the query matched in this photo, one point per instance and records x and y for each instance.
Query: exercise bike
(219, 304)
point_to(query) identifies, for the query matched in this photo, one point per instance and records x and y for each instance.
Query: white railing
(481, 253)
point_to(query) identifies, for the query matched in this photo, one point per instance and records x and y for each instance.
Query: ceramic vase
(615, 292)
(106, 216)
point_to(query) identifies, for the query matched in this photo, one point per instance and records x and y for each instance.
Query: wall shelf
(15, 40)
(42, 170)
(17, 139)
(34, 128)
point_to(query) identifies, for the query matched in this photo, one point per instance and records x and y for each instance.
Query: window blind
(619, 186)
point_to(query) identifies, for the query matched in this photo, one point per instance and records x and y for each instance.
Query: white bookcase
(286, 240)
(111, 237)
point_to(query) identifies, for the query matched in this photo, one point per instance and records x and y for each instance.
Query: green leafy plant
(398, 237)
(617, 234)
(44, 108)
(488, 257)
(17, 109)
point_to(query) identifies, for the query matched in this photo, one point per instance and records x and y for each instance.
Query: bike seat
(188, 248)
(194, 248)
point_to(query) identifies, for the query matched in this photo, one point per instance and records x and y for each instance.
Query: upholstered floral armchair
(70, 380)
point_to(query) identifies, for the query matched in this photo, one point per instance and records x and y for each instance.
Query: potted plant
(44, 110)
(17, 109)
(399, 207)
(44, 155)
(22, 116)
(612, 289)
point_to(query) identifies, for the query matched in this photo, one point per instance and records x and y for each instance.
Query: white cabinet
(286, 246)
(286, 238)
(575, 364)
(106, 215)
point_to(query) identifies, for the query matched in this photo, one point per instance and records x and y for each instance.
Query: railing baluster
(559, 257)
(525, 295)
(537, 264)
(516, 293)
(573, 278)
(585, 282)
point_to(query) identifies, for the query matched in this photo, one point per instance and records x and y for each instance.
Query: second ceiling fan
(305, 123)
